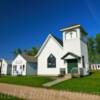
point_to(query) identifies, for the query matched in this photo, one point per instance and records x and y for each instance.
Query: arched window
(51, 61)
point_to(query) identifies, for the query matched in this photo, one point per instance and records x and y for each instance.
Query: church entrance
(72, 63)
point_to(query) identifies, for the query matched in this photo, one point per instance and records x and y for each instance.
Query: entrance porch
(71, 60)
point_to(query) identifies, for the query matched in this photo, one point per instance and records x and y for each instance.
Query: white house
(24, 65)
(57, 55)
(5, 67)
(95, 66)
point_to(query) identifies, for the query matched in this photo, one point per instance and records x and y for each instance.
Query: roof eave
(68, 28)
(70, 54)
(45, 44)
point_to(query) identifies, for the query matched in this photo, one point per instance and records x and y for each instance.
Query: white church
(57, 55)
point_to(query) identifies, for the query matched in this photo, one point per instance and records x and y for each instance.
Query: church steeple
(72, 38)
(74, 32)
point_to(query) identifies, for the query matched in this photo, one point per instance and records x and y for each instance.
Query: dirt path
(30, 93)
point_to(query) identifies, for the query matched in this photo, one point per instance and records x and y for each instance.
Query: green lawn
(88, 84)
(8, 97)
(34, 81)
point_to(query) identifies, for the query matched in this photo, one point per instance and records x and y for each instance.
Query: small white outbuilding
(5, 67)
(24, 65)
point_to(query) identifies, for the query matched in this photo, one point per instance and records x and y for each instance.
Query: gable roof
(7, 61)
(30, 59)
(72, 54)
(58, 41)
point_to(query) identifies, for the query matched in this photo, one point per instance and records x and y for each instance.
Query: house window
(20, 67)
(93, 66)
(15, 68)
(83, 61)
(98, 66)
(23, 67)
(51, 61)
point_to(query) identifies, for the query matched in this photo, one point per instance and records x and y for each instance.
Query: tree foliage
(17, 51)
(91, 49)
(97, 39)
(32, 52)
(94, 49)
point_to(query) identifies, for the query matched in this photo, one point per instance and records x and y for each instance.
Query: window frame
(14, 67)
(51, 62)
(23, 67)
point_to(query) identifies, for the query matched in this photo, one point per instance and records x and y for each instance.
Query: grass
(8, 97)
(34, 81)
(88, 84)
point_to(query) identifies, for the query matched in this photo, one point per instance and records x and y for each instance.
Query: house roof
(58, 41)
(72, 54)
(7, 61)
(29, 59)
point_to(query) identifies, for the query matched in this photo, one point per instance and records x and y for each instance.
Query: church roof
(70, 53)
(57, 40)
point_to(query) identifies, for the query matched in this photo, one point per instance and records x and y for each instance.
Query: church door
(72, 63)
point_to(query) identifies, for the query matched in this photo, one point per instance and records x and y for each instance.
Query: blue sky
(26, 23)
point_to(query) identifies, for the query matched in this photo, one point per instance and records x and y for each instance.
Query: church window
(51, 61)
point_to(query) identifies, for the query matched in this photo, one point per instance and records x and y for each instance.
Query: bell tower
(72, 38)
(75, 42)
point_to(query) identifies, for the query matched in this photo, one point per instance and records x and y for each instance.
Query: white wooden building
(5, 67)
(24, 65)
(95, 66)
(71, 52)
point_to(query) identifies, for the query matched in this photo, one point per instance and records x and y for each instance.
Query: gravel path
(30, 93)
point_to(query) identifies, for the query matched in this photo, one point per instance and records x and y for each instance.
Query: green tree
(32, 52)
(97, 39)
(17, 51)
(91, 49)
